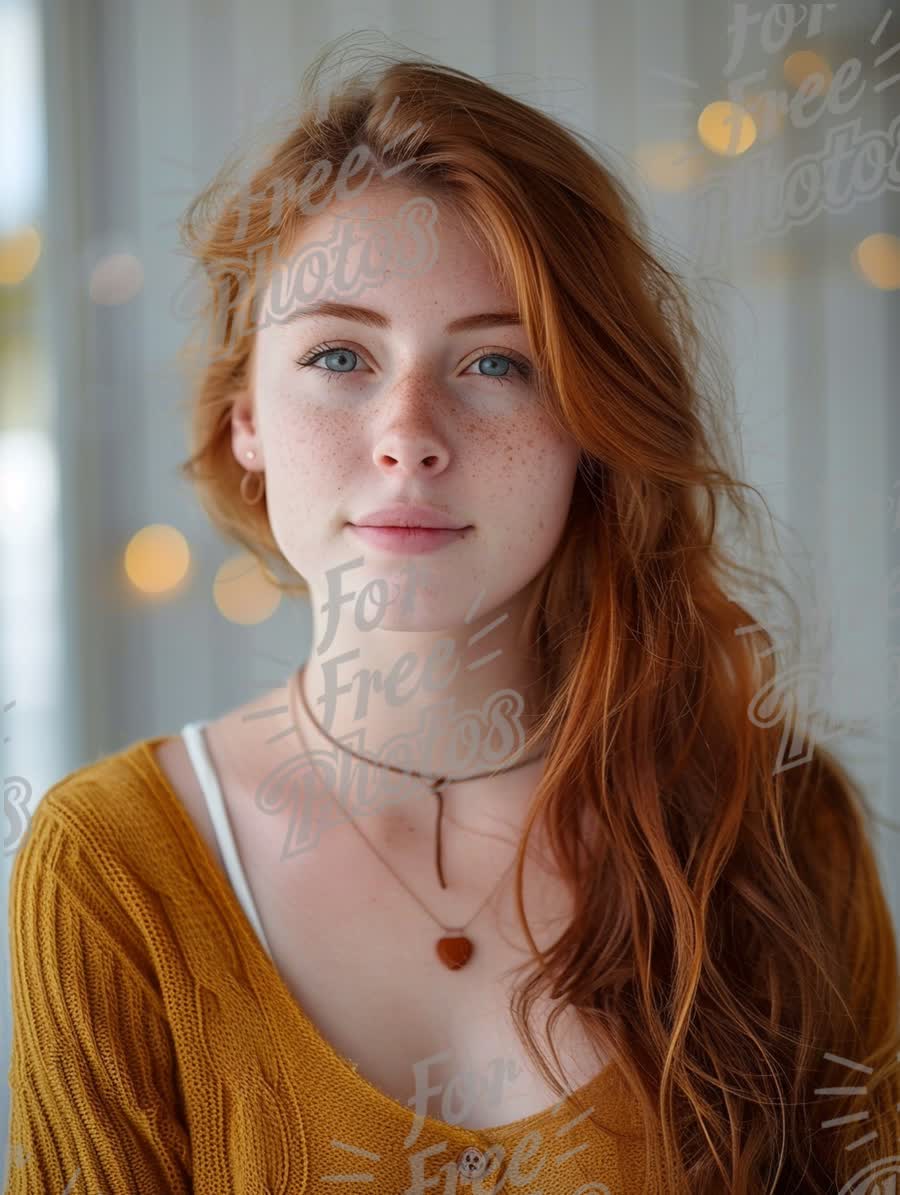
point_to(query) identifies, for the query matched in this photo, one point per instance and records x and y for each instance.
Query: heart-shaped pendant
(454, 952)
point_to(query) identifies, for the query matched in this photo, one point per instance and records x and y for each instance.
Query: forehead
(391, 248)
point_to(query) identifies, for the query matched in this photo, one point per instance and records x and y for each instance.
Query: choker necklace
(454, 949)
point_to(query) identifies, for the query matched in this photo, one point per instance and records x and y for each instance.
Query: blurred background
(124, 615)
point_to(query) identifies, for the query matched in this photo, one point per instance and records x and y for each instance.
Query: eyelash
(518, 363)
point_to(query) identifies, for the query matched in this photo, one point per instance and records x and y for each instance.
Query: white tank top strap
(195, 741)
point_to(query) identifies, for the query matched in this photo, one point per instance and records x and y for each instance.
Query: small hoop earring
(261, 485)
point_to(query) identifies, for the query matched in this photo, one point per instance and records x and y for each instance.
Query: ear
(244, 435)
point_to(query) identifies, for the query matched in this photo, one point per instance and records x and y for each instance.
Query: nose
(410, 443)
(410, 454)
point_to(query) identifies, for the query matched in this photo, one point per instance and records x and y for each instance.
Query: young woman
(447, 385)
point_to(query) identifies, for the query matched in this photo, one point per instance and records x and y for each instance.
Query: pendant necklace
(454, 948)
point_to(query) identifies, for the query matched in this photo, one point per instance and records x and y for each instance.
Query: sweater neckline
(143, 751)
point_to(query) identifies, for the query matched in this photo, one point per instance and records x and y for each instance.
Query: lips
(410, 517)
(408, 540)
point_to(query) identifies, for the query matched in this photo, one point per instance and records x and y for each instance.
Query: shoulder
(87, 803)
(93, 1068)
(110, 805)
(103, 844)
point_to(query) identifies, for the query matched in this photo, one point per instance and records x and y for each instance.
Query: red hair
(730, 926)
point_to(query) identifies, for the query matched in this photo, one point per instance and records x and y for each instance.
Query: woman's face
(348, 415)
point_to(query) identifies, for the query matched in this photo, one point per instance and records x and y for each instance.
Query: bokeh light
(242, 593)
(877, 260)
(19, 253)
(802, 65)
(726, 128)
(115, 279)
(157, 559)
(672, 166)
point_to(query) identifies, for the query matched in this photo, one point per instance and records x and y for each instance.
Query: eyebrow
(374, 319)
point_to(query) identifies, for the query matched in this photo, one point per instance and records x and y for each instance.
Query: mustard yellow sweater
(156, 1048)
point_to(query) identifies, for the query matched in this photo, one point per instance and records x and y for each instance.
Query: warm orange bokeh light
(19, 253)
(242, 593)
(877, 260)
(726, 128)
(157, 559)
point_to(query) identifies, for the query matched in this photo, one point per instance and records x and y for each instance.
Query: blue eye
(523, 370)
(347, 357)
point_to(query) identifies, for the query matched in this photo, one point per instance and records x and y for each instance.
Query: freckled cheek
(319, 438)
(530, 477)
(527, 452)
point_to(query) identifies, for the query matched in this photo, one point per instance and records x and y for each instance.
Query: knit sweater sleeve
(95, 1101)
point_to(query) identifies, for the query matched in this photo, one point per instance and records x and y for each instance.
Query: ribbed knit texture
(156, 1048)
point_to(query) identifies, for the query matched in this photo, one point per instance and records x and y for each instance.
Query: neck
(452, 702)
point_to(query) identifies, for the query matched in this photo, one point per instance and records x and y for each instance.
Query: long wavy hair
(731, 940)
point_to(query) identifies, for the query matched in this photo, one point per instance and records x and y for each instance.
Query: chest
(357, 951)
